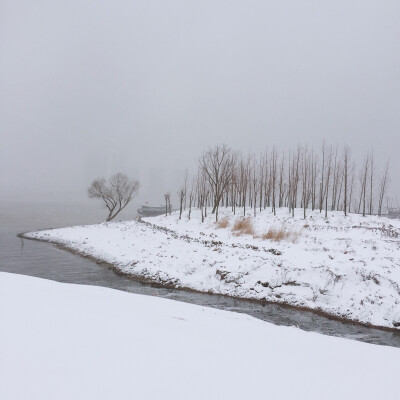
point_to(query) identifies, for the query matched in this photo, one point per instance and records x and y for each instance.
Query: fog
(89, 88)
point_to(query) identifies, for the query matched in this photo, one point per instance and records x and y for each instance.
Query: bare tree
(295, 178)
(273, 169)
(255, 181)
(352, 174)
(346, 156)
(191, 197)
(335, 183)
(182, 196)
(217, 164)
(328, 175)
(322, 188)
(116, 193)
(281, 183)
(234, 188)
(314, 175)
(305, 167)
(262, 166)
(202, 194)
(243, 183)
(167, 198)
(383, 188)
(363, 182)
(371, 181)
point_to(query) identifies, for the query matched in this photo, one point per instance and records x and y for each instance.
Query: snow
(348, 267)
(63, 341)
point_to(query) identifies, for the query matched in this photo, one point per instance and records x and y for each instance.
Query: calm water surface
(44, 260)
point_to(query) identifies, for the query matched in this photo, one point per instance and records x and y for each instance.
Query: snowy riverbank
(63, 341)
(347, 267)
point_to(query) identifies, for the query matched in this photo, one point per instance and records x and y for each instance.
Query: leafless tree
(351, 186)
(363, 186)
(182, 196)
(321, 187)
(336, 180)
(281, 181)
(314, 177)
(346, 156)
(327, 179)
(191, 197)
(295, 178)
(167, 198)
(244, 182)
(383, 188)
(217, 164)
(234, 188)
(371, 180)
(305, 167)
(262, 166)
(255, 182)
(202, 193)
(273, 169)
(116, 193)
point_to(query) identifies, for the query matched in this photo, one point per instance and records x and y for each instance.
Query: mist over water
(91, 88)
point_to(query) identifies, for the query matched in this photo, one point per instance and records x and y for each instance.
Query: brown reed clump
(223, 223)
(243, 226)
(281, 233)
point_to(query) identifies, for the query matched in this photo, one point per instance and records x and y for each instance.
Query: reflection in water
(47, 261)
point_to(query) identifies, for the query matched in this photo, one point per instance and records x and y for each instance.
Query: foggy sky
(88, 88)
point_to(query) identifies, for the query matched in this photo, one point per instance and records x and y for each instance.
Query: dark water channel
(44, 260)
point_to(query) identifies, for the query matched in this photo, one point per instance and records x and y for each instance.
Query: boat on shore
(148, 211)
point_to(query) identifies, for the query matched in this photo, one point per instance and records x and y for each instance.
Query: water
(45, 260)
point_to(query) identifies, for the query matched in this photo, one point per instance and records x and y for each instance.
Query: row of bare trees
(327, 179)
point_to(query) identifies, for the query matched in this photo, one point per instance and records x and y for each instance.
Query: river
(47, 261)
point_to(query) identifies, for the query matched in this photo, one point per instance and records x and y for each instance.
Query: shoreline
(168, 285)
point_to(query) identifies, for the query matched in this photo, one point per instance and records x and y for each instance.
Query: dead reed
(243, 226)
(282, 233)
(223, 223)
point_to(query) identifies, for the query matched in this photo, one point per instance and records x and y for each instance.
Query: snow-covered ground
(62, 341)
(348, 267)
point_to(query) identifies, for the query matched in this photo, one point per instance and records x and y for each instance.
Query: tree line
(327, 179)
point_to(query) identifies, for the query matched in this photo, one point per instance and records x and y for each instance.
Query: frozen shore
(64, 341)
(346, 267)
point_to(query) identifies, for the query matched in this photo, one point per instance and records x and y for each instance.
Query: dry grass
(243, 226)
(281, 233)
(223, 223)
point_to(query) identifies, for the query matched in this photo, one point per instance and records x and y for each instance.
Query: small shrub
(223, 223)
(243, 226)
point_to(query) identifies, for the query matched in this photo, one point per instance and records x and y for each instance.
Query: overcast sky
(91, 87)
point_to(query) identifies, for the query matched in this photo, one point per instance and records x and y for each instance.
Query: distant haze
(89, 88)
